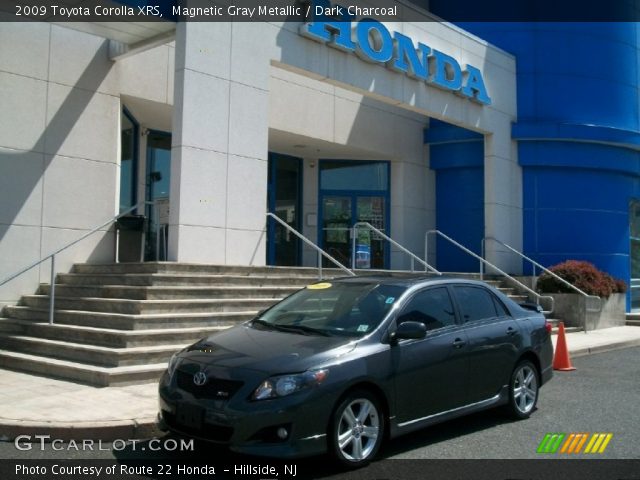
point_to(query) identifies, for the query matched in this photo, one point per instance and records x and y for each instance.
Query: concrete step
(116, 338)
(473, 276)
(633, 319)
(168, 293)
(78, 372)
(196, 268)
(519, 298)
(554, 324)
(232, 270)
(181, 280)
(7, 326)
(554, 330)
(121, 321)
(120, 305)
(204, 279)
(88, 354)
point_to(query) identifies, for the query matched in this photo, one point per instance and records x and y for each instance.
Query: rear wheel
(357, 428)
(523, 390)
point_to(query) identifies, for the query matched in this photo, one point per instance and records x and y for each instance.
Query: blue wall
(578, 132)
(457, 156)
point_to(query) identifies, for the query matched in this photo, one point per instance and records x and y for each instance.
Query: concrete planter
(571, 308)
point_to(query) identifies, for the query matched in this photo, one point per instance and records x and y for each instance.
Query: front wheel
(357, 428)
(523, 390)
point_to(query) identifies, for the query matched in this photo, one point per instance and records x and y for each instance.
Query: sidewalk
(33, 405)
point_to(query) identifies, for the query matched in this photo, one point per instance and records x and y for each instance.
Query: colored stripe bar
(543, 443)
(598, 442)
(596, 445)
(574, 444)
(606, 442)
(555, 443)
(582, 441)
(565, 447)
(591, 442)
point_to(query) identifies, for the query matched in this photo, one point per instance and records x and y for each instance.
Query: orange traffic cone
(561, 360)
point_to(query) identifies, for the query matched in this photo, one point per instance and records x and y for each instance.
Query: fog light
(282, 433)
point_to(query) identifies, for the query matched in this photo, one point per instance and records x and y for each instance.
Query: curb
(583, 351)
(134, 429)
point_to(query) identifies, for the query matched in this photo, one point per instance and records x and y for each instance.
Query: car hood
(267, 351)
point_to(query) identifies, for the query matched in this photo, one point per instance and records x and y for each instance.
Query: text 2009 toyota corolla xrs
(340, 365)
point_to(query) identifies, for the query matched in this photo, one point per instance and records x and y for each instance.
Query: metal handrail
(52, 256)
(537, 296)
(553, 274)
(321, 253)
(412, 255)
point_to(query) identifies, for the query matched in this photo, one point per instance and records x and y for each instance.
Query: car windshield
(342, 308)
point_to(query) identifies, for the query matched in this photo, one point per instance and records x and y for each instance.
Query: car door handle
(459, 343)
(511, 331)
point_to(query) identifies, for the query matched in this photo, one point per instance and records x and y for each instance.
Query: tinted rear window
(476, 303)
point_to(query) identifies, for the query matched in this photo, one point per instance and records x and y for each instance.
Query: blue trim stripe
(616, 137)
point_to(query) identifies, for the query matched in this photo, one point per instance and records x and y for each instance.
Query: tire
(356, 429)
(524, 389)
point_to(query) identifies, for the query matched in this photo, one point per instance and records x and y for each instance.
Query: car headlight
(284, 385)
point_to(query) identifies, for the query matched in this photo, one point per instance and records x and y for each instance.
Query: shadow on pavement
(225, 461)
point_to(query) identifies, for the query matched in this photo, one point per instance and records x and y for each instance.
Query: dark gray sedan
(339, 366)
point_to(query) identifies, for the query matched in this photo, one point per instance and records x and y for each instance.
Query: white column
(219, 151)
(502, 196)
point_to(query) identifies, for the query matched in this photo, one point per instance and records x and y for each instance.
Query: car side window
(433, 307)
(475, 303)
(501, 309)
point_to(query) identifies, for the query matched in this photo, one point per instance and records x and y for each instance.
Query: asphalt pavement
(601, 396)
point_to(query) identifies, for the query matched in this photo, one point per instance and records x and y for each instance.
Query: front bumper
(251, 427)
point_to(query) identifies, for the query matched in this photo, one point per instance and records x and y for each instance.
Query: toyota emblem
(200, 378)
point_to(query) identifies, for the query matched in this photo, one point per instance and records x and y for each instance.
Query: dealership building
(527, 133)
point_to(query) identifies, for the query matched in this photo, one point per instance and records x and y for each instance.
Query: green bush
(583, 275)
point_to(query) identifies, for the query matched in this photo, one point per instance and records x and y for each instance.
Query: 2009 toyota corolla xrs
(338, 366)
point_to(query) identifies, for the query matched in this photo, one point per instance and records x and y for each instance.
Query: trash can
(130, 230)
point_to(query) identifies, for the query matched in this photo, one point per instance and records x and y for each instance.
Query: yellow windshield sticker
(319, 286)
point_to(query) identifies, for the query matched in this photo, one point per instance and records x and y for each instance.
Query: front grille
(215, 433)
(213, 388)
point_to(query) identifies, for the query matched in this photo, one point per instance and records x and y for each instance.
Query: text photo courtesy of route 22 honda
(339, 366)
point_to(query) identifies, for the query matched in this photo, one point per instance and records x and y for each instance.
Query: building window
(354, 175)
(128, 160)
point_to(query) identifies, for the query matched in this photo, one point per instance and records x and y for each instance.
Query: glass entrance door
(339, 214)
(354, 191)
(371, 209)
(337, 218)
(158, 182)
(284, 189)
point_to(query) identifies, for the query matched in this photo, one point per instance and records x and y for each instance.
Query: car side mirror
(410, 330)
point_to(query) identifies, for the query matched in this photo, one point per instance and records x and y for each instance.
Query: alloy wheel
(525, 389)
(359, 430)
